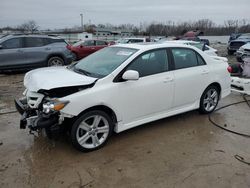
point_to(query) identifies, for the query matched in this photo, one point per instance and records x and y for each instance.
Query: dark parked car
(84, 48)
(24, 52)
(234, 36)
(234, 45)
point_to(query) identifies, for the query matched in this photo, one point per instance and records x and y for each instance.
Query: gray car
(22, 52)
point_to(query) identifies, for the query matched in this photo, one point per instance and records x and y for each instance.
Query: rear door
(191, 76)
(11, 54)
(36, 51)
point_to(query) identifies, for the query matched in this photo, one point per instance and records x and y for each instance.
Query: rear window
(101, 43)
(185, 58)
(55, 40)
(35, 42)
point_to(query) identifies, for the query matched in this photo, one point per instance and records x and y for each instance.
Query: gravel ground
(181, 151)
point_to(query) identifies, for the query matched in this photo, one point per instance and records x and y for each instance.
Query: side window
(200, 60)
(100, 43)
(89, 43)
(150, 63)
(34, 42)
(135, 40)
(184, 58)
(12, 43)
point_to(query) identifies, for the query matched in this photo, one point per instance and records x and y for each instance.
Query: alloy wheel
(210, 100)
(92, 131)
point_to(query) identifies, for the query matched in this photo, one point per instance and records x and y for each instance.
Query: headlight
(54, 105)
(241, 49)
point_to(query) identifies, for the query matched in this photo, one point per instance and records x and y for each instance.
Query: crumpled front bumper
(240, 55)
(240, 85)
(33, 118)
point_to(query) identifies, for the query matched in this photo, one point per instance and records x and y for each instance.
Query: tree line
(168, 28)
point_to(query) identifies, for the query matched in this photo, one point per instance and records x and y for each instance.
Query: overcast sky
(65, 13)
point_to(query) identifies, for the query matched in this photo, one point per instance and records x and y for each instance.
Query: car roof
(151, 45)
(182, 41)
(133, 38)
(31, 35)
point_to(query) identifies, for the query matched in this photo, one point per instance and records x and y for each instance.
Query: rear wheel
(55, 61)
(91, 130)
(209, 100)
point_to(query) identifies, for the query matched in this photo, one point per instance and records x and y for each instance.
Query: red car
(84, 48)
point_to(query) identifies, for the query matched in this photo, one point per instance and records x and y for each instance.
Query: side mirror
(1, 47)
(130, 75)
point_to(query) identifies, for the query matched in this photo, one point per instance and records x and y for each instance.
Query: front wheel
(91, 130)
(209, 100)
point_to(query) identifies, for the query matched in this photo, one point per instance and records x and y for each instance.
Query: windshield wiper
(81, 71)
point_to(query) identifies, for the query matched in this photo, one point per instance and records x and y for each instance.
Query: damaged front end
(39, 112)
(42, 103)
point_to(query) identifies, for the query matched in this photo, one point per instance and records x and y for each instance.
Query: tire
(55, 61)
(230, 52)
(209, 100)
(239, 59)
(84, 133)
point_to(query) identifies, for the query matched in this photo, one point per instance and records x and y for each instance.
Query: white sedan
(121, 87)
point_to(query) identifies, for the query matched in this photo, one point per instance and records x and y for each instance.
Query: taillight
(229, 69)
(68, 47)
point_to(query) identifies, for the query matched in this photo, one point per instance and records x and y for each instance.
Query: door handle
(204, 72)
(168, 79)
(21, 51)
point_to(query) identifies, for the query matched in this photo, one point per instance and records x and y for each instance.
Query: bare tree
(29, 27)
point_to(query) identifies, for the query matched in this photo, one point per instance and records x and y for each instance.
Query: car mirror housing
(1, 47)
(130, 75)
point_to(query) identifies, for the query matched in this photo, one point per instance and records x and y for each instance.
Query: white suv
(120, 87)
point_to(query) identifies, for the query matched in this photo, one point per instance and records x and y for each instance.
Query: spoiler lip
(220, 58)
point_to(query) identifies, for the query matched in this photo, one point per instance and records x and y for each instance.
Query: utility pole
(81, 21)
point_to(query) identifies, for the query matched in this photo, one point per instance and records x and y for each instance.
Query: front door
(11, 53)
(152, 94)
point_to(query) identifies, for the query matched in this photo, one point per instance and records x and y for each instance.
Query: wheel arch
(216, 84)
(103, 108)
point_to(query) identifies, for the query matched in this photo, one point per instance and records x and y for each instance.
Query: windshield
(103, 62)
(122, 41)
(78, 43)
(244, 37)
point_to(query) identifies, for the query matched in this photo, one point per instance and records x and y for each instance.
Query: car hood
(240, 40)
(246, 46)
(55, 77)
